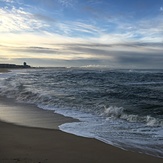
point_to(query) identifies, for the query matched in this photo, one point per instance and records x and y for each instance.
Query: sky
(86, 33)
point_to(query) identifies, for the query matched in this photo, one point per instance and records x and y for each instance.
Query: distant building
(25, 65)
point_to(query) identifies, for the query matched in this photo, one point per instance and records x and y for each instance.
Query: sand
(30, 115)
(3, 70)
(35, 145)
(31, 135)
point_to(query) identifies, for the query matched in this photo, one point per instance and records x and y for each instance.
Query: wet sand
(42, 142)
(3, 70)
(30, 115)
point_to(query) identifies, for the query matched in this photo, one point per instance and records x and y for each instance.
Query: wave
(119, 112)
(39, 97)
(113, 111)
(144, 83)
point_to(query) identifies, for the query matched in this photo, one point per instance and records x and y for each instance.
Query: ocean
(123, 108)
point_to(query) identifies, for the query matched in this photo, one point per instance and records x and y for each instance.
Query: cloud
(112, 29)
(80, 27)
(124, 55)
(161, 8)
(36, 50)
(68, 3)
(119, 60)
(8, 1)
(145, 30)
(31, 32)
(18, 20)
(142, 55)
(139, 60)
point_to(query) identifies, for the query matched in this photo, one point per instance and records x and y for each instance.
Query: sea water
(123, 108)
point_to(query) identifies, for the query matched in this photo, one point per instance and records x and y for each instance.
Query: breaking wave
(119, 112)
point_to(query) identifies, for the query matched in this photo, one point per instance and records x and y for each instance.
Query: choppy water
(120, 107)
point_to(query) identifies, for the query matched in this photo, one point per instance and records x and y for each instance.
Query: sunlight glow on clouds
(81, 33)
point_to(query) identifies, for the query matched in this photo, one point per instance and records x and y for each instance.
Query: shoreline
(4, 70)
(30, 115)
(47, 144)
(27, 145)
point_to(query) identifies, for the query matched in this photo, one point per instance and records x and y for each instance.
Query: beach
(3, 70)
(36, 144)
(30, 115)
(29, 134)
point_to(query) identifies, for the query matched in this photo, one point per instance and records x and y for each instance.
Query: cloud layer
(81, 33)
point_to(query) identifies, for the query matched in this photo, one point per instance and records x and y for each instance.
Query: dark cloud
(151, 55)
(100, 45)
(132, 59)
(40, 50)
(35, 50)
(148, 58)
(92, 51)
(139, 60)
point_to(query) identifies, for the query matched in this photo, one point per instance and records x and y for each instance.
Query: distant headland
(24, 65)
